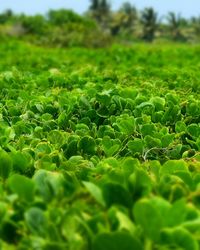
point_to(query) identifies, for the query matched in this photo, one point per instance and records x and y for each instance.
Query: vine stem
(151, 149)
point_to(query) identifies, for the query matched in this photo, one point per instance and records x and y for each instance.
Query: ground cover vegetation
(100, 147)
(99, 132)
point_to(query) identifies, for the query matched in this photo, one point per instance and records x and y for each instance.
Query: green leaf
(187, 178)
(71, 149)
(172, 98)
(172, 114)
(103, 98)
(175, 153)
(158, 102)
(56, 137)
(157, 116)
(129, 165)
(105, 130)
(193, 130)
(148, 129)
(87, 145)
(116, 194)
(48, 184)
(125, 222)
(172, 166)
(36, 221)
(192, 226)
(180, 127)
(193, 109)
(116, 241)
(136, 146)
(152, 142)
(43, 148)
(144, 108)
(126, 124)
(149, 218)
(82, 129)
(110, 146)
(163, 207)
(129, 92)
(167, 140)
(6, 164)
(95, 192)
(140, 183)
(63, 120)
(179, 237)
(177, 213)
(22, 186)
(20, 162)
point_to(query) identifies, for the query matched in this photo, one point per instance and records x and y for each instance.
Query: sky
(186, 8)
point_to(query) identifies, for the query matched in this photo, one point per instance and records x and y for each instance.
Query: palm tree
(94, 5)
(124, 19)
(175, 22)
(104, 6)
(99, 10)
(195, 22)
(130, 14)
(150, 23)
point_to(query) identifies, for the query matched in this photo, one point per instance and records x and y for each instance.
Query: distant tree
(100, 10)
(33, 24)
(130, 14)
(94, 5)
(124, 19)
(175, 22)
(149, 20)
(6, 16)
(115, 23)
(195, 23)
(104, 5)
(63, 16)
(100, 5)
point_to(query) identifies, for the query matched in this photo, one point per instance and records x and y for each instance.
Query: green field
(99, 149)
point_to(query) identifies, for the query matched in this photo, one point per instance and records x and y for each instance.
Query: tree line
(99, 26)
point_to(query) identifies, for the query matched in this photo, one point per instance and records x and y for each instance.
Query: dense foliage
(99, 26)
(99, 149)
